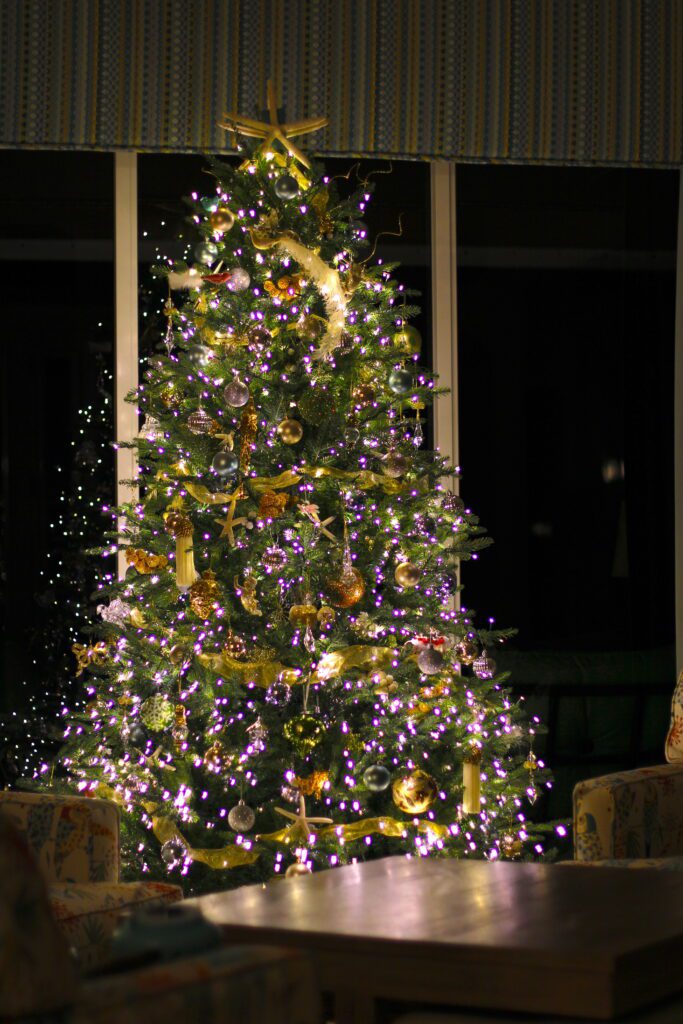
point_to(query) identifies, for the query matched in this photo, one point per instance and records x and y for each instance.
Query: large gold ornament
(205, 595)
(414, 793)
(347, 589)
(290, 431)
(407, 575)
(313, 785)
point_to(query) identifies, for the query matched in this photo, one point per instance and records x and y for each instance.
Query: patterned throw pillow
(673, 749)
(37, 974)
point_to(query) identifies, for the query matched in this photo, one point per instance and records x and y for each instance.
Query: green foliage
(360, 469)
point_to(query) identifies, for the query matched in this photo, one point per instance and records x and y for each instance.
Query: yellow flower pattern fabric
(628, 815)
(88, 914)
(73, 839)
(673, 750)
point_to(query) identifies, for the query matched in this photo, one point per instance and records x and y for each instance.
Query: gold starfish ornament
(273, 132)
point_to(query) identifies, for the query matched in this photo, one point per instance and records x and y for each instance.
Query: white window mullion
(445, 307)
(678, 432)
(126, 305)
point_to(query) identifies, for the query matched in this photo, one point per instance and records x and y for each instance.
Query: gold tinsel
(272, 505)
(248, 426)
(86, 656)
(286, 289)
(313, 784)
(204, 594)
(144, 561)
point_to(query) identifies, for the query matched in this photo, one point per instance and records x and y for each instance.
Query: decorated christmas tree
(283, 680)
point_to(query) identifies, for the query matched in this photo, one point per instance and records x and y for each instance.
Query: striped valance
(585, 81)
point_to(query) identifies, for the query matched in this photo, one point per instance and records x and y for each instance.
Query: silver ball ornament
(430, 661)
(394, 464)
(225, 463)
(199, 355)
(400, 381)
(286, 187)
(199, 422)
(241, 818)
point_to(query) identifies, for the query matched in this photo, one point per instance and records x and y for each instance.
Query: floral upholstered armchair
(39, 980)
(75, 841)
(635, 818)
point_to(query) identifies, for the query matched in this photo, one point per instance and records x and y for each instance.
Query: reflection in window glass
(56, 247)
(566, 346)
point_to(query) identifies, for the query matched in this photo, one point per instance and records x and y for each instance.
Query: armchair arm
(73, 838)
(630, 814)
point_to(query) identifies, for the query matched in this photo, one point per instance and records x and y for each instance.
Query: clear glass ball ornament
(239, 280)
(206, 252)
(173, 853)
(236, 393)
(377, 778)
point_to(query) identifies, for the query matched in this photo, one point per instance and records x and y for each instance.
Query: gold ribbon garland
(222, 857)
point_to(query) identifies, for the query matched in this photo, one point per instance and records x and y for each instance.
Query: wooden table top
(575, 940)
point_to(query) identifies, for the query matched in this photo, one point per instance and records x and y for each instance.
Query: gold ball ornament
(414, 793)
(466, 652)
(297, 870)
(408, 340)
(326, 616)
(290, 431)
(302, 615)
(176, 524)
(407, 575)
(235, 646)
(289, 676)
(204, 595)
(222, 220)
(345, 590)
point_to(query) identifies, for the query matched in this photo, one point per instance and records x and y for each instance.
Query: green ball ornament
(304, 732)
(156, 713)
(286, 187)
(400, 381)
